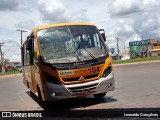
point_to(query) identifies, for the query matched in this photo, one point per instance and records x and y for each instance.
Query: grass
(10, 72)
(136, 60)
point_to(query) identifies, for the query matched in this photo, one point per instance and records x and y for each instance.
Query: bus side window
(35, 59)
(32, 50)
(22, 55)
(26, 55)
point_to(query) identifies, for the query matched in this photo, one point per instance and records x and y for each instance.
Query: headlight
(108, 70)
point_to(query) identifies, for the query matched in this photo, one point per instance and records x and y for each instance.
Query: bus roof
(61, 24)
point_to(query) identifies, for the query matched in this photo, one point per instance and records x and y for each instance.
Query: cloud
(150, 24)
(129, 19)
(9, 5)
(125, 7)
(18, 5)
(27, 25)
(150, 5)
(79, 15)
(123, 30)
(134, 19)
(12, 52)
(55, 12)
(146, 25)
(125, 33)
(15, 58)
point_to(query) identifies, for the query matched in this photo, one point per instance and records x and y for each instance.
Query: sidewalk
(10, 75)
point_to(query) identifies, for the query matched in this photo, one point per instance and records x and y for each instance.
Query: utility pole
(1, 44)
(117, 48)
(142, 47)
(124, 48)
(21, 34)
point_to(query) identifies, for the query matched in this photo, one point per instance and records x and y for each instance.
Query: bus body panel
(80, 81)
(28, 77)
(56, 92)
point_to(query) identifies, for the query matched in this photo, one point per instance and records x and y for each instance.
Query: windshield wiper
(90, 54)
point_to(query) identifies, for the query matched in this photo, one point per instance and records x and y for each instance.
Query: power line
(21, 34)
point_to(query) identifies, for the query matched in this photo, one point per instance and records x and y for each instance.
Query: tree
(6, 61)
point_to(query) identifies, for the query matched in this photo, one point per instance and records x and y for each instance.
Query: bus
(67, 60)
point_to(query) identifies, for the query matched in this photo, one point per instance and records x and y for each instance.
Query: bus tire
(27, 84)
(100, 95)
(39, 94)
(42, 103)
(31, 93)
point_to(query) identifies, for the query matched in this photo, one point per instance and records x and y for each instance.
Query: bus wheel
(31, 93)
(27, 84)
(100, 95)
(39, 95)
(42, 103)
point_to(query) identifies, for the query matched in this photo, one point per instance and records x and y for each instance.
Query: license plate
(84, 93)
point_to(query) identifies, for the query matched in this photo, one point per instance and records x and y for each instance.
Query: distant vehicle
(20, 70)
(67, 60)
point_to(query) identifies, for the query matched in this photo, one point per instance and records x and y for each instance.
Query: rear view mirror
(28, 45)
(102, 34)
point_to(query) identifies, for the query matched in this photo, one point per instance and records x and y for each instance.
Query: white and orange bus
(67, 60)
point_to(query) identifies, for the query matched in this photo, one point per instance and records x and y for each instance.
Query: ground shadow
(71, 109)
(74, 103)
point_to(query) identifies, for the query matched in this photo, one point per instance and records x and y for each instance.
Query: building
(8, 66)
(144, 48)
(155, 51)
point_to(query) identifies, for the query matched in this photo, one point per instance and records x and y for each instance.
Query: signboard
(142, 42)
(140, 47)
(112, 50)
(138, 50)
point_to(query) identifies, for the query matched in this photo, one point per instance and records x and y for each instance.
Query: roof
(155, 50)
(62, 24)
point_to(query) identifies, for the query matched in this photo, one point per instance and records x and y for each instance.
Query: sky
(127, 20)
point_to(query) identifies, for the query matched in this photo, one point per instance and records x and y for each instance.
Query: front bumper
(56, 92)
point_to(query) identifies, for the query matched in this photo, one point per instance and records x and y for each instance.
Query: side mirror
(29, 42)
(28, 45)
(102, 34)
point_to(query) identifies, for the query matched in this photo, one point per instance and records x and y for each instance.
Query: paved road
(14, 95)
(137, 86)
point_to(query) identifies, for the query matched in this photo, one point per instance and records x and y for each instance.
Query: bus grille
(77, 90)
(77, 78)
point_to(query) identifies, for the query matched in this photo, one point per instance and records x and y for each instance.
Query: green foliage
(136, 60)
(10, 72)
(13, 69)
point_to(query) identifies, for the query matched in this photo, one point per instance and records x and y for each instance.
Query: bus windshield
(70, 44)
